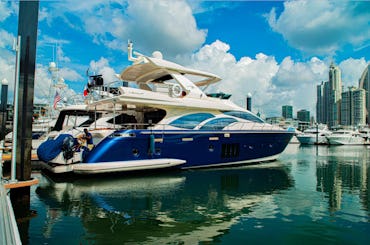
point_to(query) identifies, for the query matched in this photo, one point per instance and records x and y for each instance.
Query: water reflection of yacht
(114, 186)
(187, 206)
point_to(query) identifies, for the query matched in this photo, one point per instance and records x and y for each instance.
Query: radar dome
(52, 65)
(157, 54)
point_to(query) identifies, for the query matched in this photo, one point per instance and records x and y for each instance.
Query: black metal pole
(4, 102)
(27, 29)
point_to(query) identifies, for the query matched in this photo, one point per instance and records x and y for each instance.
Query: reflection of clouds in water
(53, 215)
(303, 203)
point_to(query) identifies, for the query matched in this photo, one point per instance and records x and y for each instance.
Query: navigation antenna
(131, 53)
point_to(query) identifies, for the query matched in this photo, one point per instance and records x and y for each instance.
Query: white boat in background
(346, 137)
(314, 135)
(40, 129)
(365, 133)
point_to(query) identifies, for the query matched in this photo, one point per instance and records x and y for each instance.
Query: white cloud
(6, 39)
(70, 75)
(6, 9)
(321, 26)
(43, 15)
(44, 90)
(168, 26)
(296, 83)
(102, 67)
(352, 70)
(7, 60)
(272, 84)
(248, 75)
(60, 55)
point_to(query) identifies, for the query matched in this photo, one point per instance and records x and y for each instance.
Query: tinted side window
(190, 121)
(218, 123)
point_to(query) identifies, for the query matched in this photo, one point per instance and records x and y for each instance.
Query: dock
(9, 233)
(8, 157)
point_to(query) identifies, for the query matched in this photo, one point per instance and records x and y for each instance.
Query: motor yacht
(345, 137)
(175, 124)
(314, 135)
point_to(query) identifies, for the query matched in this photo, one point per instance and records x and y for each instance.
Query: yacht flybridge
(173, 124)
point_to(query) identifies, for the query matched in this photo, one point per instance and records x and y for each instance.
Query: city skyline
(338, 106)
(270, 49)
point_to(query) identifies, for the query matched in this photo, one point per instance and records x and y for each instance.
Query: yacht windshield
(244, 115)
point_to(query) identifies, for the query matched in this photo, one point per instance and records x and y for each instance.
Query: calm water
(311, 195)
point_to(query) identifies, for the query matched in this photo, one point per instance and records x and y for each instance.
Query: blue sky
(276, 50)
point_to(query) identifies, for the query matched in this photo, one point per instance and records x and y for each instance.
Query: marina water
(311, 195)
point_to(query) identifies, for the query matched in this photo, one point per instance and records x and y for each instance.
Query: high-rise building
(303, 115)
(364, 83)
(346, 107)
(320, 104)
(287, 111)
(353, 107)
(329, 95)
(359, 109)
(335, 95)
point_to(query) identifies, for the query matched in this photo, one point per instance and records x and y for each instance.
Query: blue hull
(198, 148)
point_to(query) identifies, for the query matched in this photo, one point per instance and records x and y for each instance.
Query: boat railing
(108, 90)
(253, 126)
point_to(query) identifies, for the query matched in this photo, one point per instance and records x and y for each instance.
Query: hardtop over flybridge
(173, 123)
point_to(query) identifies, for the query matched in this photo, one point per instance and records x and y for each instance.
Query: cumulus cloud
(326, 27)
(271, 84)
(44, 90)
(240, 77)
(352, 70)
(6, 9)
(154, 24)
(163, 22)
(70, 74)
(102, 67)
(170, 26)
(296, 82)
(7, 60)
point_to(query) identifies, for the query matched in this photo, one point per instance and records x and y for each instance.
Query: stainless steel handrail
(9, 233)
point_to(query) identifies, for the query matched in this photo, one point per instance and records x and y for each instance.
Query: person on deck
(89, 140)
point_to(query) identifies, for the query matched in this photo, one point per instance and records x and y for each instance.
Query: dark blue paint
(199, 152)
